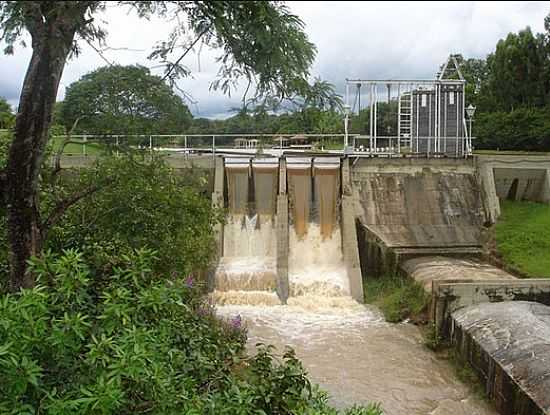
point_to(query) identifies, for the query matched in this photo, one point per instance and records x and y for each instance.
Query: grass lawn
(523, 237)
(76, 148)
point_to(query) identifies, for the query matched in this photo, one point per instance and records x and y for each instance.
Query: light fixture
(470, 111)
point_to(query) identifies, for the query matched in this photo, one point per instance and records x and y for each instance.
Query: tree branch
(65, 204)
(59, 153)
(201, 34)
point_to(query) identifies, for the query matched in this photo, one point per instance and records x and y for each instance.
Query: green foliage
(523, 237)
(142, 202)
(523, 129)
(398, 298)
(139, 342)
(123, 100)
(7, 118)
(516, 71)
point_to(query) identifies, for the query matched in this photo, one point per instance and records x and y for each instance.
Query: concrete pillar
(491, 202)
(282, 236)
(346, 177)
(545, 191)
(217, 202)
(351, 249)
(350, 245)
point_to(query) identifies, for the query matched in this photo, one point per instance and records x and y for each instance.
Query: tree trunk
(51, 42)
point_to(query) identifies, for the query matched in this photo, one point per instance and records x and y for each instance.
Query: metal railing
(190, 144)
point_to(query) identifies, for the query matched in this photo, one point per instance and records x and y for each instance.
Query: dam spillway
(282, 235)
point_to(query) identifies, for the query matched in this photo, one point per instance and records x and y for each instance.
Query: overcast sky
(354, 40)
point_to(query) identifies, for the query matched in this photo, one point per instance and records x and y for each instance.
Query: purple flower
(189, 282)
(236, 322)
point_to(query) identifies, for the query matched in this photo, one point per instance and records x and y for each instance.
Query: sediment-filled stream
(357, 357)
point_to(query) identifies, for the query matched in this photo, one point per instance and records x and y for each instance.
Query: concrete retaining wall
(508, 345)
(409, 207)
(514, 177)
(451, 295)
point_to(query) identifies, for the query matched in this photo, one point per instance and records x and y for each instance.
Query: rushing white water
(316, 264)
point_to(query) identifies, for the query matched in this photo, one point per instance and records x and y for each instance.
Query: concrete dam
(305, 231)
(284, 235)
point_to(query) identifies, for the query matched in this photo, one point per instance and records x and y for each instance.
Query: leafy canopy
(123, 100)
(260, 42)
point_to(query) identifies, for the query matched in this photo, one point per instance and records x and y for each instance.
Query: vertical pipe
(186, 151)
(84, 146)
(446, 103)
(371, 109)
(458, 104)
(399, 118)
(359, 98)
(214, 146)
(417, 118)
(464, 109)
(429, 114)
(151, 144)
(375, 117)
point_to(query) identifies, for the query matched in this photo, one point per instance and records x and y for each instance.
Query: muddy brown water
(351, 352)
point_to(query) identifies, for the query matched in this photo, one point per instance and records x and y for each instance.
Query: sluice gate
(282, 234)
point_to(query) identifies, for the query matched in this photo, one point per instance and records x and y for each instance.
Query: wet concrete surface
(427, 269)
(516, 335)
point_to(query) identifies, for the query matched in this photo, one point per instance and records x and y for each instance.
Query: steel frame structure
(407, 91)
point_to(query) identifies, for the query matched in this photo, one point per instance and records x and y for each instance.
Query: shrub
(138, 343)
(398, 298)
(142, 203)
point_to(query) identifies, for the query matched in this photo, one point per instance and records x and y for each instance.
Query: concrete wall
(508, 345)
(451, 295)
(514, 177)
(349, 236)
(408, 207)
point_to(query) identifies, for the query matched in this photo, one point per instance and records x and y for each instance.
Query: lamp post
(470, 111)
(347, 110)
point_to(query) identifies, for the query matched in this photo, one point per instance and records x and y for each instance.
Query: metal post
(151, 144)
(463, 110)
(213, 146)
(371, 109)
(417, 123)
(446, 102)
(458, 124)
(359, 98)
(186, 149)
(398, 118)
(84, 145)
(117, 145)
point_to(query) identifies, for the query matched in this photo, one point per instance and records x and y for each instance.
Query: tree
(6, 115)
(261, 42)
(516, 71)
(124, 100)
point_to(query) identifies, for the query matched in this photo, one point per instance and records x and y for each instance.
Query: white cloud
(354, 39)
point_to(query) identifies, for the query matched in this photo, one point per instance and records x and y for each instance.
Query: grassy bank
(523, 237)
(398, 298)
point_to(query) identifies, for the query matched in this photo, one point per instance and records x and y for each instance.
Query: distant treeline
(510, 88)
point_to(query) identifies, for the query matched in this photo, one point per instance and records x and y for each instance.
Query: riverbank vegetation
(523, 237)
(397, 297)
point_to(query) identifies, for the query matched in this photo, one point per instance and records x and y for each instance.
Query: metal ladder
(405, 110)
